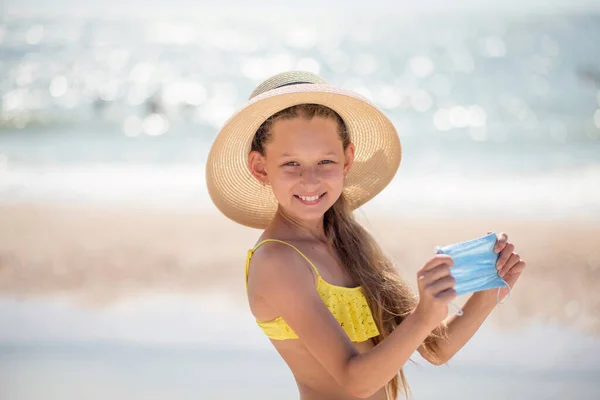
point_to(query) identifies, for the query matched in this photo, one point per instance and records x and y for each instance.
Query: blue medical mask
(474, 266)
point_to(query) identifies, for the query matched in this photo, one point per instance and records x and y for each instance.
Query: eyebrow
(329, 153)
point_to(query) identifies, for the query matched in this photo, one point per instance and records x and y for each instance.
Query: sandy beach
(101, 255)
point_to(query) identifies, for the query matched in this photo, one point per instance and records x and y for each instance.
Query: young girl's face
(305, 164)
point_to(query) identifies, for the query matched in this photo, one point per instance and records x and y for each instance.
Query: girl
(294, 162)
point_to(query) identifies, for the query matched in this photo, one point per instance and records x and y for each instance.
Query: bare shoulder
(277, 264)
(285, 280)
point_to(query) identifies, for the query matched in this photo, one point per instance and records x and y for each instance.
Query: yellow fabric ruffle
(349, 306)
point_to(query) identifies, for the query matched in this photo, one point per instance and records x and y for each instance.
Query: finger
(448, 294)
(436, 273)
(442, 284)
(505, 255)
(438, 259)
(501, 242)
(517, 269)
(513, 260)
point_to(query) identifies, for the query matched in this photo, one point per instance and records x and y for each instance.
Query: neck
(306, 229)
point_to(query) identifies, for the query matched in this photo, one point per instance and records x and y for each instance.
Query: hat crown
(285, 79)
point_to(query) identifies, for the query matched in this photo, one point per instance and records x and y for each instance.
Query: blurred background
(119, 278)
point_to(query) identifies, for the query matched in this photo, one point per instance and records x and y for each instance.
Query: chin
(315, 214)
(311, 216)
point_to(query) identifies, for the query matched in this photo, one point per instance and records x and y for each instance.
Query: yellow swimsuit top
(348, 305)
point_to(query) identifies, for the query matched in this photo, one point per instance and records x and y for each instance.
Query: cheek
(283, 182)
(332, 174)
(289, 174)
(288, 177)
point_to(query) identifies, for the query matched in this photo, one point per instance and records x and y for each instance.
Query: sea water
(498, 113)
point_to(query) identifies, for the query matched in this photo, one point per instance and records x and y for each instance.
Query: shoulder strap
(251, 252)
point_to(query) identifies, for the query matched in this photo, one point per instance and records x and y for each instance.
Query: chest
(329, 266)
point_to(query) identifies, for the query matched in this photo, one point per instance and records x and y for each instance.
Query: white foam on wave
(573, 193)
(153, 185)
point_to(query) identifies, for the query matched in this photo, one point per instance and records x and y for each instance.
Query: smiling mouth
(310, 199)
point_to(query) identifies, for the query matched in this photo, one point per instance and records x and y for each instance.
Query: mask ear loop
(507, 297)
(460, 312)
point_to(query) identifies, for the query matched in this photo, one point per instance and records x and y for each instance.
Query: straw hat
(242, 198)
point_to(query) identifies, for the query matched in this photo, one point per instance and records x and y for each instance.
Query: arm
(480, 304)
(461, 329)
(284, 280)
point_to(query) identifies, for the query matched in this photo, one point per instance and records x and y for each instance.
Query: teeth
(309, 198)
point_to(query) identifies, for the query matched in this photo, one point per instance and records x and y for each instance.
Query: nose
(309, 177)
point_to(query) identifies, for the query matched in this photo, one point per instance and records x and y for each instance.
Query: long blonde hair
(389, 297)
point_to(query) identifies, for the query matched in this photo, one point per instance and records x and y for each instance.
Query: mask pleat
(474, 266)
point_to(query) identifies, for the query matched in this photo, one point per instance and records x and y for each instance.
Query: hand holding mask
(474, 266)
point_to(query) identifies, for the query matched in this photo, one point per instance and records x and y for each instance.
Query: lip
(310, 203)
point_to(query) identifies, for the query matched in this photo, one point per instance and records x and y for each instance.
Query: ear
(348, 158)
(256, 164)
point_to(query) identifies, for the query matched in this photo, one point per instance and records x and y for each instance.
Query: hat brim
(240, 197)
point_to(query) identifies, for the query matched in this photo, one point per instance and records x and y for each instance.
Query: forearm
(372, 370)
(460, 329)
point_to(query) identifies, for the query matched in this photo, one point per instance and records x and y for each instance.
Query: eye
(327, 162)
(290, 164)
